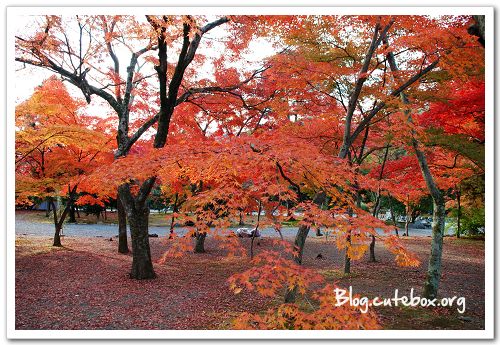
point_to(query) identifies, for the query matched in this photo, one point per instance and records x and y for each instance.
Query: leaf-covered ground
(85, 285)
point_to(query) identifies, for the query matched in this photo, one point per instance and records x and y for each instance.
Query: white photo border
(487, 333)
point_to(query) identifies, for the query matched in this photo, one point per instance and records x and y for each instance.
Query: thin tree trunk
(172, 222)
(72, 218)
(241, 219)
(377, 203)
(300, 240)
(172, 219)
(47, 211)
(122, 227)
(459, 211)
(393, 217)
(347, 259)
(59, 222)
(57, 237)
(434, 269)
(407, 220)
(200, 242)
(372, 250)
(57, 234)
(375, 213)
(254, 233)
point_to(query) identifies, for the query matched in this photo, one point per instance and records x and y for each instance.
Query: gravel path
(24, 227)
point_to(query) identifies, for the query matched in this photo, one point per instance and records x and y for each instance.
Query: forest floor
(85, 285)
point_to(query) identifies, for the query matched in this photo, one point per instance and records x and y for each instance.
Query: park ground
(84, 285)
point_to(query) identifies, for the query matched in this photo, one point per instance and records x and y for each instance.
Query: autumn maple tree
(128, 92)
(57, 147)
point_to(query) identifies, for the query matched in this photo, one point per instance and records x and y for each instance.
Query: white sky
(29, 77)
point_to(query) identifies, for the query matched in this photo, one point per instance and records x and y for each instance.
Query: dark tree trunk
(57, 233)
(254, 233)
(393, 217)
(241, 219)
(122, 227)
(459, 211)
(77, 212)
(72, 218)
(57, 237)
(300, 240)
(58, 223)
(347, 259)
(138, 218)
(47, 211)
(200, 242)
(172, 220)
(372, 250)
(142, 266)
(375, 214)
(407, 221)
(414, 215)
(478, 28)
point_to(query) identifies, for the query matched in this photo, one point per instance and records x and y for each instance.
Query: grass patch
(29, 247)
(419, 318)
(334, 275)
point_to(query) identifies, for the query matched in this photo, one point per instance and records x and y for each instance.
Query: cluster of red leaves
(328, 316)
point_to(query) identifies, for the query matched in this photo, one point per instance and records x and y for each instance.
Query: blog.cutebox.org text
(344, 296)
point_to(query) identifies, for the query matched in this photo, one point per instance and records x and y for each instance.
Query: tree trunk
(393, 217)
(172, 222)
(72, 218)
(58, 226)
(300, 240)
(241, 219)
(407, 221)
(58, 223)
(57, 237)
(478, 28)
(254, 233)
(172, 219)
(142, 266)
(200, 242)
(372, 250)
(57, 233)
(138, 218)
(47, 211)
(347, 259)
(434, 269)
(459, 211)
(122, 227)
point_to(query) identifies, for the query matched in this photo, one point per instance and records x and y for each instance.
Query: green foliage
(459, 143)
(472, 221)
